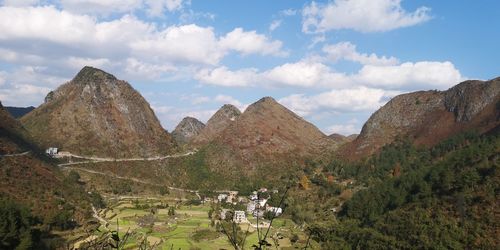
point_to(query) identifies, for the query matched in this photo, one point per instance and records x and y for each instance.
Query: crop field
(189, 227)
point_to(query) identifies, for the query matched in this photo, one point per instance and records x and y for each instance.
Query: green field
(176, 231)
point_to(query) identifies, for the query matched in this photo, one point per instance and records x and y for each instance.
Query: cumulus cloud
(20, 2)
(309, 73)
(360, 15)
(171, 116)
(411, 76)
(343, 100)
(275, 24)
(60, 35)
(222, 76)
(343, 129)
(250, 42)
(347, 51)
(158, 7)
(100, 7)
(225, 99)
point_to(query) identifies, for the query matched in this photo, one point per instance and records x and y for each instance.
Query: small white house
(52, 151)
(277, 211)
(222, 197)
(251, 206)
(239, 216)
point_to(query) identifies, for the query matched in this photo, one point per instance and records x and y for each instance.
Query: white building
(239, 216)
(222, 197)
(277, 211)
(52, 151)
(251, 206)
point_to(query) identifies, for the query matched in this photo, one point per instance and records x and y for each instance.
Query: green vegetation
(442, 197)
(16, 225)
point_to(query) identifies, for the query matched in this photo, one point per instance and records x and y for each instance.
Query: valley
(262, 178)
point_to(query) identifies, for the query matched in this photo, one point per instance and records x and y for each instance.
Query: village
(239, 208)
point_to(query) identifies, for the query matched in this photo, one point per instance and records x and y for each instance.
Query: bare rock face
(187, 129)
(427, 117)
(225, 116)
(467, 99)
(97, 114)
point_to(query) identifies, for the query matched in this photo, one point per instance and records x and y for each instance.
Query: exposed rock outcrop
(427, 117)
(187, 129)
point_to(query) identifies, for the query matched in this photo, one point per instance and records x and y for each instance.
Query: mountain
(267, 135)
(18, 112)
(187, 129)
(225, 116)
(427, 117)
(97, 114)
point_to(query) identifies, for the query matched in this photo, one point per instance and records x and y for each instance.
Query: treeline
(445, 197)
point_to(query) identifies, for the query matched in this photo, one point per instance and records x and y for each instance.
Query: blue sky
(332, 62)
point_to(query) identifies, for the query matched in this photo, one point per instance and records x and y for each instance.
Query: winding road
(14, 155)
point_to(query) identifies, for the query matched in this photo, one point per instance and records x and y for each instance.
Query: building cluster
(256, 205)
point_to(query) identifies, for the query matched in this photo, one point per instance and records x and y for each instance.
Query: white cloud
(222, 76)
(343, 100)
(343, 129)
(19, 3)
(310, 73)
(100, 7)
(411, 76)
(158, 7)
(62, 40)
(347, 51)
(288, 12)
(145, 70)
(225, 99)
(22, 94)
(275, 24)
(171, 116)
(187, 43)
(360, 15)
(250, 42)
(304, 74)
(79, 62)
(2, 78)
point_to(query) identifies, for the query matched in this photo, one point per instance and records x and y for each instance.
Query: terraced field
(167, 231)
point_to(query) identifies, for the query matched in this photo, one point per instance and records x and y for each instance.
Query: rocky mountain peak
(97, 114)
(187, 129)
(92, 75)
(468, 98)
(226, 115)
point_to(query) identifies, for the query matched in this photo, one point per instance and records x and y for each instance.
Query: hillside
(263, 141)
(97, 114)
(187, 129)
(427, 117)
(30, 178)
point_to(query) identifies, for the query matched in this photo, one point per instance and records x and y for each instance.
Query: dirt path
(92, 159)
(14, 155)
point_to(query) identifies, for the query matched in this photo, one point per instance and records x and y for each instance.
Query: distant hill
(18, 112)
(187, 129)
(97, 114)
(428, 117)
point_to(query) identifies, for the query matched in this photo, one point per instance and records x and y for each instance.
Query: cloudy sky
(333, 62)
